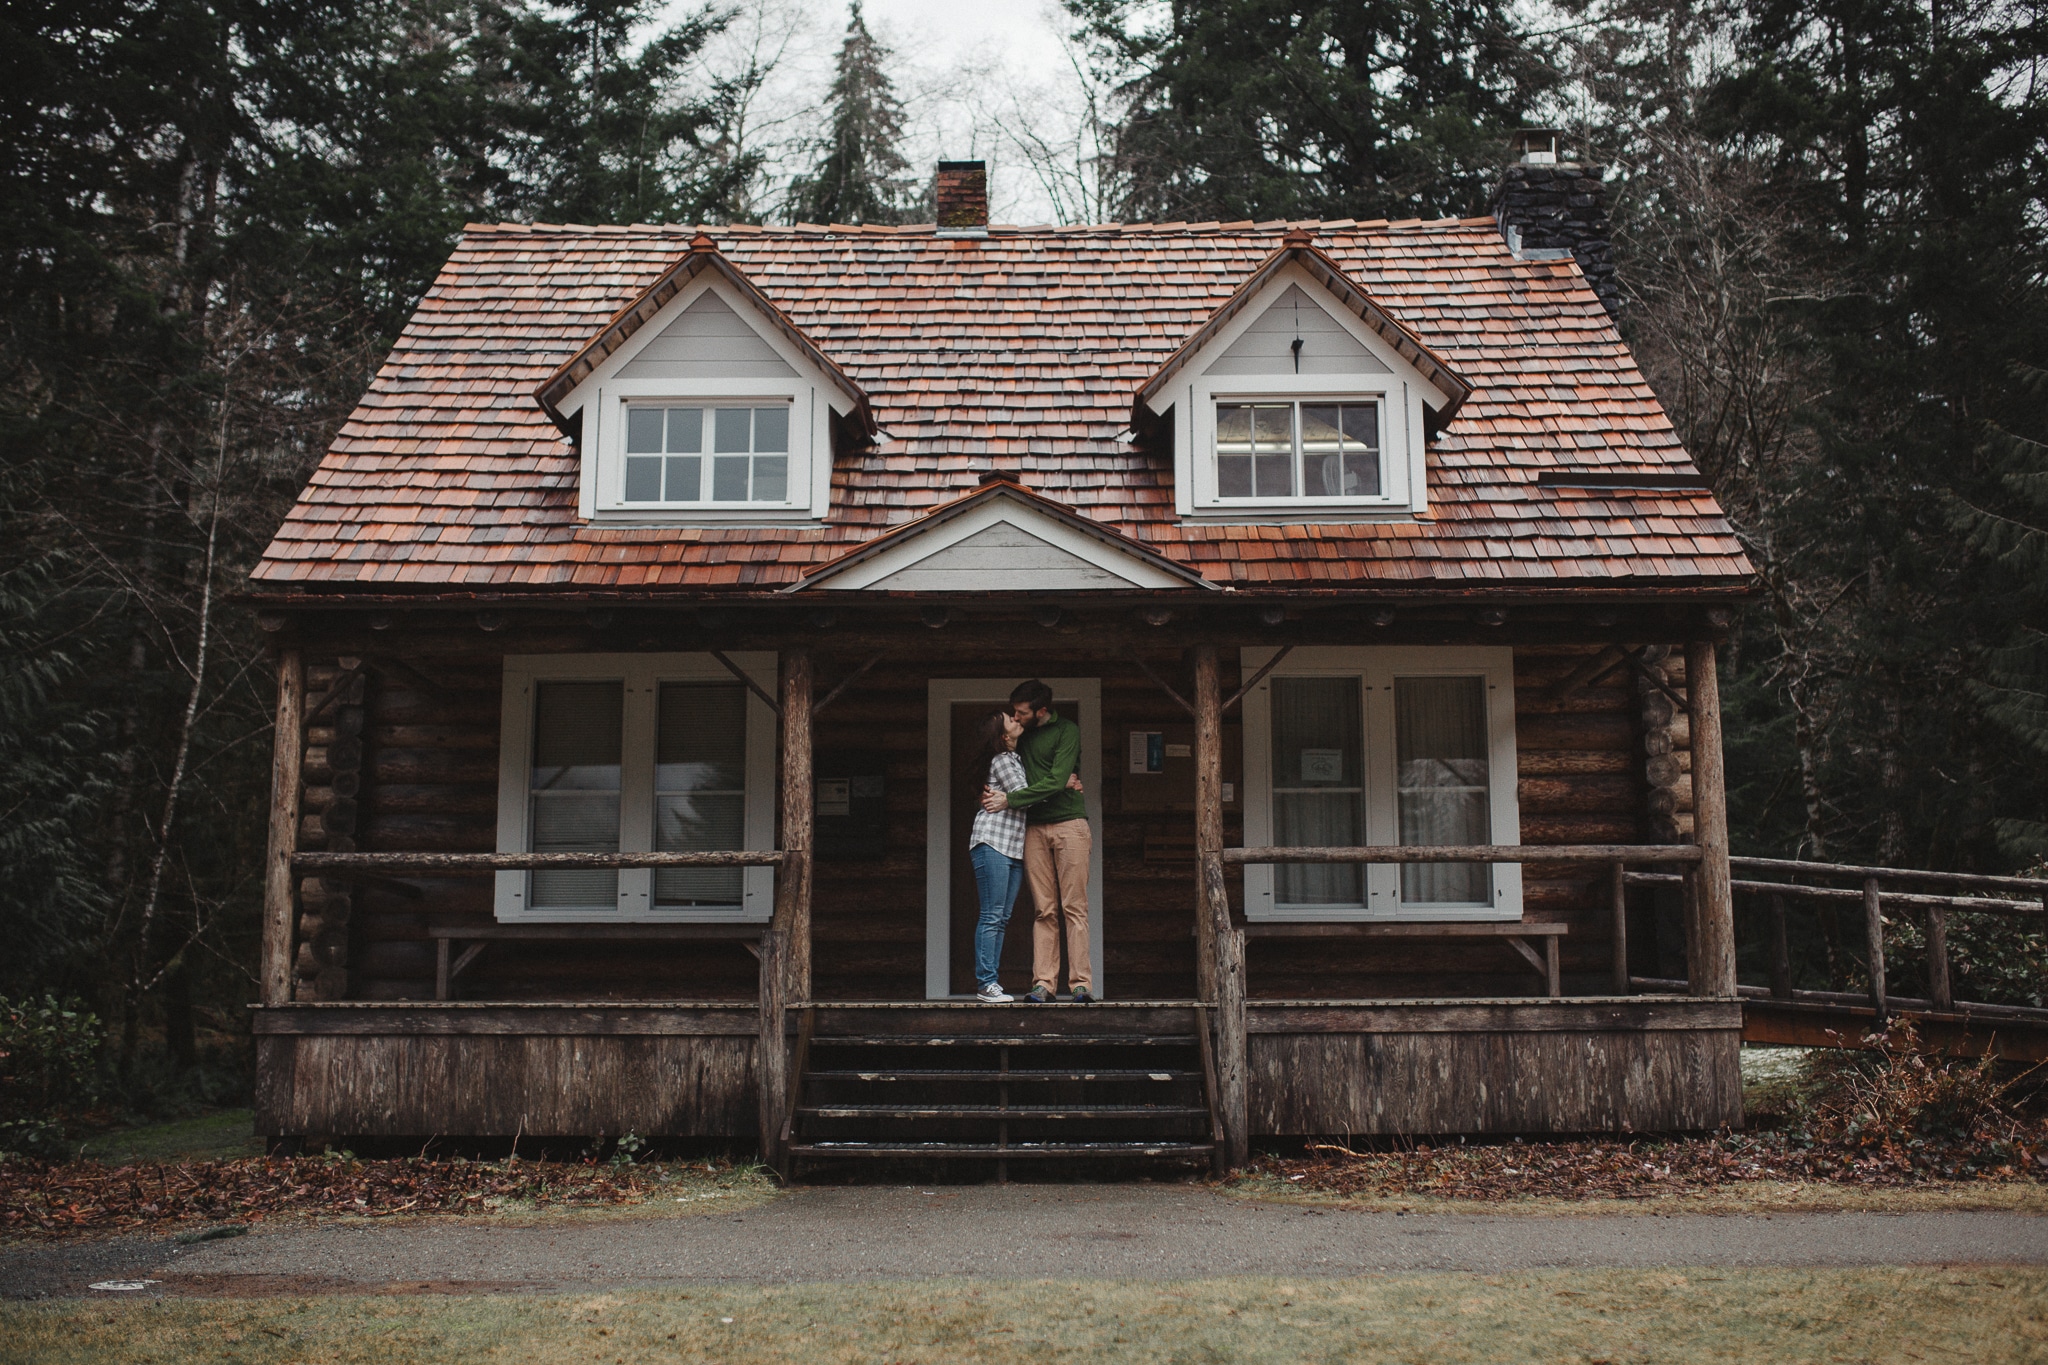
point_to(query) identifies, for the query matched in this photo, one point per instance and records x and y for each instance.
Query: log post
(1225, 941)
(786, 946)
(1781, 952)
(1873, 939)
(771, 1054)
(1938, 990)
(798, 804)
(1712, 971)
(1619, 873)
(287, 755)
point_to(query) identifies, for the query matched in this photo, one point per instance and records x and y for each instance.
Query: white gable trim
(1031, 570)
(811, 393)
(1398, 389)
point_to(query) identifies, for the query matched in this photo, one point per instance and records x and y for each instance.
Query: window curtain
(575, 789)
(1440, 741)
(700, 790)
(1318, 786)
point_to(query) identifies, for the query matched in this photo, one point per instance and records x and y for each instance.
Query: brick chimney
(962, 196)
(1549, 207)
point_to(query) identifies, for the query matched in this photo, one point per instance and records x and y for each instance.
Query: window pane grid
(667, 460)
(1316, 449)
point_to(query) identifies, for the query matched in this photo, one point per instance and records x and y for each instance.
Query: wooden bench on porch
(477, 937)
(1515, 933)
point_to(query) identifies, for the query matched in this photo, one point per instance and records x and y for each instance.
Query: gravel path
(1016, 1231)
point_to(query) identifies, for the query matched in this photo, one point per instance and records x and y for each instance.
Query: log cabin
(632, 635)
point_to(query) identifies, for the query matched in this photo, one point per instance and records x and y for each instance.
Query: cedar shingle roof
(1019, 352)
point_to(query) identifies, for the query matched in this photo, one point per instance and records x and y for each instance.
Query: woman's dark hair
(988, 742)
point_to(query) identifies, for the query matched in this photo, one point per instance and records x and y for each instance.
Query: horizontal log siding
(1580, 781)
(429, 783)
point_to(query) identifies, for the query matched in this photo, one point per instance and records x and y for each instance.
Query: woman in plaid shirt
(996, 848)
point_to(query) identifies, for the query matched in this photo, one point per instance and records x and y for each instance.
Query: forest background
(1830, 227)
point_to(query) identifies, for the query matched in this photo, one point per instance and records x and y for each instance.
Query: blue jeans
(997, 878)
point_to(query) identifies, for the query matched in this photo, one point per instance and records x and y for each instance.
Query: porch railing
(1618, 858)
(1876, 889)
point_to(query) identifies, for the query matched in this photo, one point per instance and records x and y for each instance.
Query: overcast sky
(965, 72)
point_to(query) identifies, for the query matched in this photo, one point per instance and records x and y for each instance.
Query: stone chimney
(962, 196)
(1550, 207)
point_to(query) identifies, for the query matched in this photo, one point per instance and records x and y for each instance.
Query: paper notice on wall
(1148, 751)
(1180, 751)
(1322, 765)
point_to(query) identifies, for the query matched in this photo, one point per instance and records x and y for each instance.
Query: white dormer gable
(706, 340)
(712, 410)
(1267, 346)
(1002, 539)
(1295, 407)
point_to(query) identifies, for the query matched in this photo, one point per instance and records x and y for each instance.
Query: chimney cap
(1536, 146)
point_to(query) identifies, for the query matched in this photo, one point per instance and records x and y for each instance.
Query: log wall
(426, 764)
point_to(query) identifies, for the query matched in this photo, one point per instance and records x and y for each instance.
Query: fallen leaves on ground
(1614, 1168)
(53, 1200)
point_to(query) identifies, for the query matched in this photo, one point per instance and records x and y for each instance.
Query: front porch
(399, 1000)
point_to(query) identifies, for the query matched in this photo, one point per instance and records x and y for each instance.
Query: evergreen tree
(861, 175)
(2014, 529)
(1331, 108)
(599, 132)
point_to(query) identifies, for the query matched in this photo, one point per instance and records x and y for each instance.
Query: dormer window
(701, 404)
(692, 455)
(1316, 449)
(1301, 400)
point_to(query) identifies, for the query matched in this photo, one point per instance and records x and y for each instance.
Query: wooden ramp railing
(1875, 889)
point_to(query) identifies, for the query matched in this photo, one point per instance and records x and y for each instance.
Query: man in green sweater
(1057, 841)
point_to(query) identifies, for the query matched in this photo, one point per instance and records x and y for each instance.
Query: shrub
(1903, 1101)
(48, 1052)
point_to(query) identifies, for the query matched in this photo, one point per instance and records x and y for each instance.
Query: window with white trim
(705, 455)
(1316, 450)
(667, 753)
(1382, 746)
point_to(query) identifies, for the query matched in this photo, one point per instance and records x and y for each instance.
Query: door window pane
(1441, 754)
(1318, 786)
(574, 789)
(700, 790)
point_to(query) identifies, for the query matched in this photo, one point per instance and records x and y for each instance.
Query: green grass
(213, 1137)
(1689, 1316)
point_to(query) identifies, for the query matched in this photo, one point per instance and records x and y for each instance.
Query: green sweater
(1051, 754)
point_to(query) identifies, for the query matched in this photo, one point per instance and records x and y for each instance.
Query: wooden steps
(995, 1083)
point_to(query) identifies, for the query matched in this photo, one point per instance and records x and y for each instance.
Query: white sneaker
(993, 994)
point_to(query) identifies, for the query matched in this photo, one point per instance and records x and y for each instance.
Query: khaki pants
(1056, 865)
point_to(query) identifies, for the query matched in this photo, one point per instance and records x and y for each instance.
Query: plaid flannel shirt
(1002, 830)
